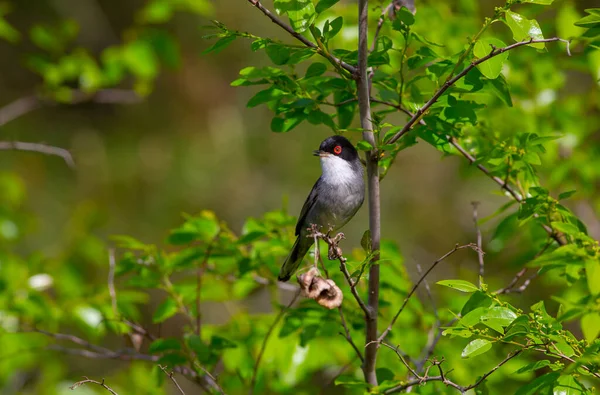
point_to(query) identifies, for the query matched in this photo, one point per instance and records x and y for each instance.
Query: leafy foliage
(504, 116)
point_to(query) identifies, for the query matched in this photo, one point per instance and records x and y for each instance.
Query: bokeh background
(192, 144)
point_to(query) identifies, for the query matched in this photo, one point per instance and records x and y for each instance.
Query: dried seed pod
(331, 297)
(325, 292)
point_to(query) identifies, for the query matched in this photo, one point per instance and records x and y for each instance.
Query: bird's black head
(338, 146)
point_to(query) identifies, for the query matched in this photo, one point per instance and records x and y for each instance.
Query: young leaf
(220, 45)
(592, 271)
(532, 367)
(325, 4)
(590, 326)
(316, 69)
(492, 67)
(460, 285)
(165, 310)
(536, 386)
(524, 29)
(161, 345)
(301, 12)
(476, 347)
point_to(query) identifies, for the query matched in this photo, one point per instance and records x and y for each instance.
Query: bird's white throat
(337, 170)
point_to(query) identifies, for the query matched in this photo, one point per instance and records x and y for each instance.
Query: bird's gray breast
(337, 202)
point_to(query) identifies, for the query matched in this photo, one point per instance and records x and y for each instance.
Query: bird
(333, 201)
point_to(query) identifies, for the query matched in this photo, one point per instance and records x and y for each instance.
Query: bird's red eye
(337, 150)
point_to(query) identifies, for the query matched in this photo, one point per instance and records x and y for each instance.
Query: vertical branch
(479, 242)
(373, 181)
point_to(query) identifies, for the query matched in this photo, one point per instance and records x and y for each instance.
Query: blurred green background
(192, 144)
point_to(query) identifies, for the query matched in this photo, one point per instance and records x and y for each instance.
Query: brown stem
(479, 242)
(364, 106)
(39, 148)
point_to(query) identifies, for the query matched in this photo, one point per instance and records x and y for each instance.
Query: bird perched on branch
(335, 198)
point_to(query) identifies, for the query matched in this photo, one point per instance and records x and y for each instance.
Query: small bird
(335, 198)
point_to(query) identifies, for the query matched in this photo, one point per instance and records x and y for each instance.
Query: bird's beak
(320, 153)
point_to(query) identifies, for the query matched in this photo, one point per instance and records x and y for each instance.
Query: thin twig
(414, 288)
(300, 37)
(442, 377)
(87, 381)
(347, 335)
(39, 148)
(27, 104)
(172, 377)
(510, 288)
(380, 24)
(402, 357)
(266, 340)
(479, 242)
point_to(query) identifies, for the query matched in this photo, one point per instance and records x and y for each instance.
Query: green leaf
(590, 326)
(8, 32)
(202, 350)
(300, 12)
(460, 285)
(538, 384)
(331, 29)
(220, 45)
(590, 21)
(592, 271)
(325, 4)
(500, 88)
(162, 345)
(165, 310)
(345, 113)
(568, 385)
(405, 16)
(279, 54)
(364, 146)
(476, 347)
(492, 67)
(566, 195)
(477, 299)
(316, 69)
(532, 367)
(365, 241)
(203, 227)
(265, 96)
(524, 29)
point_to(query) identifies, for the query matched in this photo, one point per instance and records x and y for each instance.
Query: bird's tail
(300, 248)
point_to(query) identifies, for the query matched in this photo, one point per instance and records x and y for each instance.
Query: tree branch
(495, 52)
(414, 288)
(172, 377)
(27, 104)
(301, 38)
(40, 148)
(87, 380)
(479, 242)
(426, 378)
(364, 107)
(558, 237)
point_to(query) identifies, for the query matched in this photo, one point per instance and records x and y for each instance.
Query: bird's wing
(308, 204)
